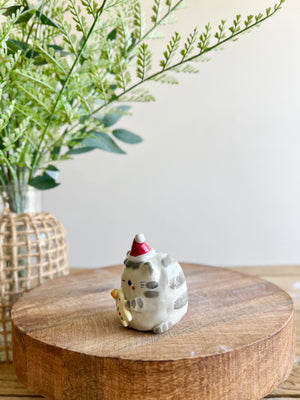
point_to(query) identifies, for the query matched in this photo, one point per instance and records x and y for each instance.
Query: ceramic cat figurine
(154, 288)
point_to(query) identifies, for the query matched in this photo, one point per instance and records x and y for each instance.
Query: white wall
(216, 179)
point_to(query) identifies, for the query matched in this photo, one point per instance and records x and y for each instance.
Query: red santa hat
(140, 251)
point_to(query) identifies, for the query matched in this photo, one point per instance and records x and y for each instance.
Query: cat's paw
(133, 304)
(136, 304)
(163, 327)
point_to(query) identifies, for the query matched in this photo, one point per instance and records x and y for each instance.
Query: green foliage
(138, 20)
(47, 180)
(101, 140)
(204, 38)
(126, 136)
(189, 44)
(156, 10)
(166, 78)
(143, 61)
(172, 47)
(59, 91)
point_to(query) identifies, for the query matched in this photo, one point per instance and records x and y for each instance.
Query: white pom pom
(139, 238)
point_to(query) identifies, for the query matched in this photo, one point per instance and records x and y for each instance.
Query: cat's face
(136, 277)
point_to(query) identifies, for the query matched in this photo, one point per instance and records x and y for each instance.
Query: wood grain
(288, 278)
(235, 343)
(11, 388)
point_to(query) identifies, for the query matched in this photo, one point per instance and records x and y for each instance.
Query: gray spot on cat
(181, 301)
(152, 285)
(163, 327)
(131, 264)
(151, 294)
(157, 329)
(140, 302)
(167, 261)
(133, 303)
(178, 281)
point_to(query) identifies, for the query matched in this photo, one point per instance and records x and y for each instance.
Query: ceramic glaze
(154, 288)
(123, 312)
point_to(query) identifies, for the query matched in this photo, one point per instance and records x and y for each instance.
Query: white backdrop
(216, 179)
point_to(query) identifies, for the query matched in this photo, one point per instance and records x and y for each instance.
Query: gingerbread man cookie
(123, 312)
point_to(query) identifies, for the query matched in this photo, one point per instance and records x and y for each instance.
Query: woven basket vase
(32, 250)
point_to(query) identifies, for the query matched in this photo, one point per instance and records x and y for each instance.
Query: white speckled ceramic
(154, 288)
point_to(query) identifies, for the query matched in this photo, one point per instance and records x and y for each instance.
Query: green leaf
(112, 118)
(25, 16)
(34, 54)
(181, 5)
(156, 10)
(186, 68)
(126, 136)
(143, 61)
(47, 21)
(123, 109)
(139, 95)
(189, 44)
(112, 35)
(166, 78)
(47, 180)
(16, 45)
(172, 46)
(100, 102)
(43, 182)
(58, 49)
(52, 171)
(171, 19)
(102, 141)
(28, 13)
(156, 35)
(55, 152)
(132, 46)
(79, 150)
(11, 10)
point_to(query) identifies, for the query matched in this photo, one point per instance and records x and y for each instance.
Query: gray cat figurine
(153, 293)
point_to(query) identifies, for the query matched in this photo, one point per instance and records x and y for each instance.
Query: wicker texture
(32, 250)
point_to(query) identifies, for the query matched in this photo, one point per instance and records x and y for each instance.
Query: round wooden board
(236, 341)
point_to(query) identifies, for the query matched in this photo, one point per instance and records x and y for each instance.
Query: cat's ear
(147, 266)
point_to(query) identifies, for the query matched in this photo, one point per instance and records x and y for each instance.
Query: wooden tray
(236, 342)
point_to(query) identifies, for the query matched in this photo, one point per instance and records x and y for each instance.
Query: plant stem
(36, 157)
(3, 176)
(192, 58)
(157, 24)
(181, 62)
(9, 166)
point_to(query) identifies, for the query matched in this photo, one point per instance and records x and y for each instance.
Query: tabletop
(286, 277)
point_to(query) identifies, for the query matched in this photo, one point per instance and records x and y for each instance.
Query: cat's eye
(129, 282)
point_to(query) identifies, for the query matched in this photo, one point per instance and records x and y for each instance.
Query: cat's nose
(133, 287)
